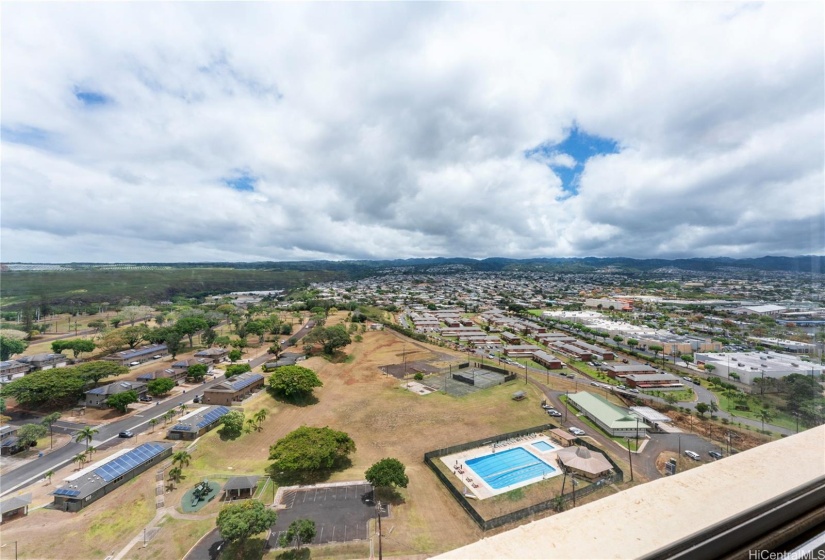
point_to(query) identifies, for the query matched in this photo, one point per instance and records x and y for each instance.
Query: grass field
(383, 418)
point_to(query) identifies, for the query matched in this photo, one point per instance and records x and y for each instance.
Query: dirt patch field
(384, 420)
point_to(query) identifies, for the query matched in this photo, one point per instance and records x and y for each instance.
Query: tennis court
(510, 467)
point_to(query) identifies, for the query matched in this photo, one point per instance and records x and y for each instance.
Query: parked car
(157, 357)
(576, 431)
(594, 384)
(145, 398)
(692, 454)
(197, 399)
(715, 454)
(633, 390)
(132, 364)
(126, 434)
(624, 360)
(553, 412)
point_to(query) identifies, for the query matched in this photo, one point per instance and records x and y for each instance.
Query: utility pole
(380, 555)
(630, 457)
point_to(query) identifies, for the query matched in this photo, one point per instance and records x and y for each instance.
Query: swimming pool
(542, 446)
(509, 467)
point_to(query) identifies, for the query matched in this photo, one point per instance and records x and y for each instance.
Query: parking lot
(341, 512)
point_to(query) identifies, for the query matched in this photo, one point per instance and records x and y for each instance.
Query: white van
(692, 454)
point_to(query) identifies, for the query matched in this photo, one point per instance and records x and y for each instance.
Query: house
(86, 486)
(653, 381)
(510, 338)
(239, 487)
(521, 350)
(8, 440)
(138, 355)
(168, 373)
(97, 396)
(596, 350)
(612, 419)
(623, 370)
(582, 462)
(571, 350)
(215, 355)
(12, 369)
(182, 366)
(15, 507)
(547, 360)
(566, 439)
(44, 361)
(196, 423)
(233, 390)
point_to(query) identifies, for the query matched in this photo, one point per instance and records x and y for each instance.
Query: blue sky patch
(243, 182)
(90, 98)
(27, 135)
(568, 157)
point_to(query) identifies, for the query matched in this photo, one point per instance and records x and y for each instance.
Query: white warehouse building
(752, 365)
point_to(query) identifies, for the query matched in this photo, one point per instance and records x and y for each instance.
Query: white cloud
(396, 130)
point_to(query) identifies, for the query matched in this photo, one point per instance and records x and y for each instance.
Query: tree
(87, 434)
(174, 343)
(49, 475)
(618, 338)
(95, 371)
(113, 341)
(286, 328)
(670, 399)
(134, 335)
(632, 342)
(209, 336)
(175, 474)
(181, 458)
(237, 369)
(28, 434)
(121, 401)
(197, 372)
(238, 522)
(713, 407)
(309, 450)
(765, 415)
(709, 368)
(331, 338)
(701, 408)
(160, 386)
(98, 325)
(293, 382)
(299, 532)
(11, 346)
(232, 424)
(257, 328)
(190, 325)
(687, 358)
(54, 387)
(49, 421)
(235, 355)
(259, 417)
(655, 348)
(387, 473)
(153, 422)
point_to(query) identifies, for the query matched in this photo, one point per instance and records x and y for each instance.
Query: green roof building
(614, 420)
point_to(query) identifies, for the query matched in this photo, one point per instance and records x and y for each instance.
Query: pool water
(543, 446)
(509, 467)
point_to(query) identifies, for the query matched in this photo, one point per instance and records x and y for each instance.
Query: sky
(175, 132)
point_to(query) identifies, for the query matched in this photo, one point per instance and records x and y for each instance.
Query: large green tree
(309, 450)
(28, 434)
(121, 401)
(237, 369)
(387, 473)
(55, 387)
(238, 522)
(95, 371)
(134, 335)
(331, 338)
(196, 372)
(293, 382)
(76, 345)
(10, 346)
(191, 325)
(160, 386)
(232, 424)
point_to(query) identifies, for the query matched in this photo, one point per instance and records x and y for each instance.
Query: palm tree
(250, 425)
(90, 452)
(175, 474)
(79, 459)
(181, 458)
(153, 422)
(87, 433)
(182, 408)
(49, 475)
(260, 416)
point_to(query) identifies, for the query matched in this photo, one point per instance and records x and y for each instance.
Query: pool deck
(474, 485)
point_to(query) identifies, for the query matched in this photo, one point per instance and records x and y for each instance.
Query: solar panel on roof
(182, 428)
(238, 385)
(211, 416)
(129, 461)
(66, 492)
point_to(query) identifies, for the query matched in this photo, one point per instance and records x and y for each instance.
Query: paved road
(208, 548)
